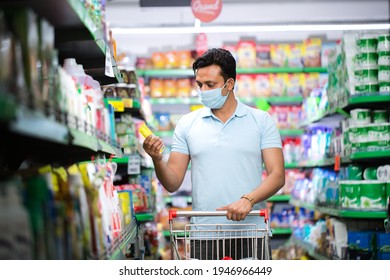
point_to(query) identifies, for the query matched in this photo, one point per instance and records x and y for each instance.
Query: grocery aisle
(81, 187)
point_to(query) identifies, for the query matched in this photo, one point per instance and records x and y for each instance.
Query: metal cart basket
(219, 241)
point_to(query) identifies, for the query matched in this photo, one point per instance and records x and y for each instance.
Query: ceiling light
(249, 28)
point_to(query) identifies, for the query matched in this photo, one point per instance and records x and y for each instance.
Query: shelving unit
(308, 248)
(43, 134)
(121, 246)
(281, 231)
(342, 213)
(375, 157)
(49, 137)
(77, 35)
(145, 217)
(340, 110)
(279, 198)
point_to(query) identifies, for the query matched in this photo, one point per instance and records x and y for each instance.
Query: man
(227, 143)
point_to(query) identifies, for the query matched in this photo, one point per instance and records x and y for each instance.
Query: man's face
(209, 78)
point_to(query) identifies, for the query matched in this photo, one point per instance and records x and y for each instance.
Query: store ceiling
(130, 14)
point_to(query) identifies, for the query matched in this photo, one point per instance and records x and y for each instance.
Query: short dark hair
(217, 56)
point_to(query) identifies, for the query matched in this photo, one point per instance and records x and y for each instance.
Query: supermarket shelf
(36, 125)
(76, 35)
(98, 47)
(109, 149)
(166, 73)
(167, 133)
(8, 107)
(274, 100)
(292, 165)
(179, 233)
(370, 155)
(281, 231)
(46, 135)
(171, 199)
(145, 217)
(291, 132)
(369, 100)
(81, 139)
(263, 70)
(364, 99)
(299, 203)
(121, 160)
(279, 198)
(332, 118)
(308, 248)
(310, 163)
(317, 163)
(118, 250)
(343, 213)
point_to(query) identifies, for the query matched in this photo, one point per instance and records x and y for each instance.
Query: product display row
(249, 53)
(80, 185)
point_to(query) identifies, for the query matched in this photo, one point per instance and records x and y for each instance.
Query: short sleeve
(270, 135)
(179, 142)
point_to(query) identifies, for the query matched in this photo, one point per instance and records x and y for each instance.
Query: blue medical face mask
(213, 98)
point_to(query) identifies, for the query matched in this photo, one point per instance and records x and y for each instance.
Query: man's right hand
(152, 146)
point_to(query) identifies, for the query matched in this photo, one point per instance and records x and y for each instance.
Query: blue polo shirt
(226, 157)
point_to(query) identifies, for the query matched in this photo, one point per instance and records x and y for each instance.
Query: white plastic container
(383, 42)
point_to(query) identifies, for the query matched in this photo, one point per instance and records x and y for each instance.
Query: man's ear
(231, 84)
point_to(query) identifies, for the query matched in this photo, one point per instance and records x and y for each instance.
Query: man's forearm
(166, 176)
(268, 187)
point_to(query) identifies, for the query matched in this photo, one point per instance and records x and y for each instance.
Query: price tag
(337, 163)
(109, 71)
(134, 165)
(118, 105)
(127, 102)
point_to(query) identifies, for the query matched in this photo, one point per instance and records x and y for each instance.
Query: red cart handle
(174, 213)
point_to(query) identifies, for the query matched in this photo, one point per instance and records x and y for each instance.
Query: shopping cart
(219, 241)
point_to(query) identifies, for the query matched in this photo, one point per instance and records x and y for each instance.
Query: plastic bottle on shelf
(90, 98)
(19, 226)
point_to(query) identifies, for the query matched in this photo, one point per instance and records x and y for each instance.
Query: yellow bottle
(145, 131)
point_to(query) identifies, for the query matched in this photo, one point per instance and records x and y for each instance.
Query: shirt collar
(241, 110)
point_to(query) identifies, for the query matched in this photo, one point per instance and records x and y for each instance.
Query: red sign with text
(201, 43)
(206, 10)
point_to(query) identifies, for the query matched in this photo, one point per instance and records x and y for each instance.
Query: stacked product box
(366, 130)
(368, 245)
(365, 189)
